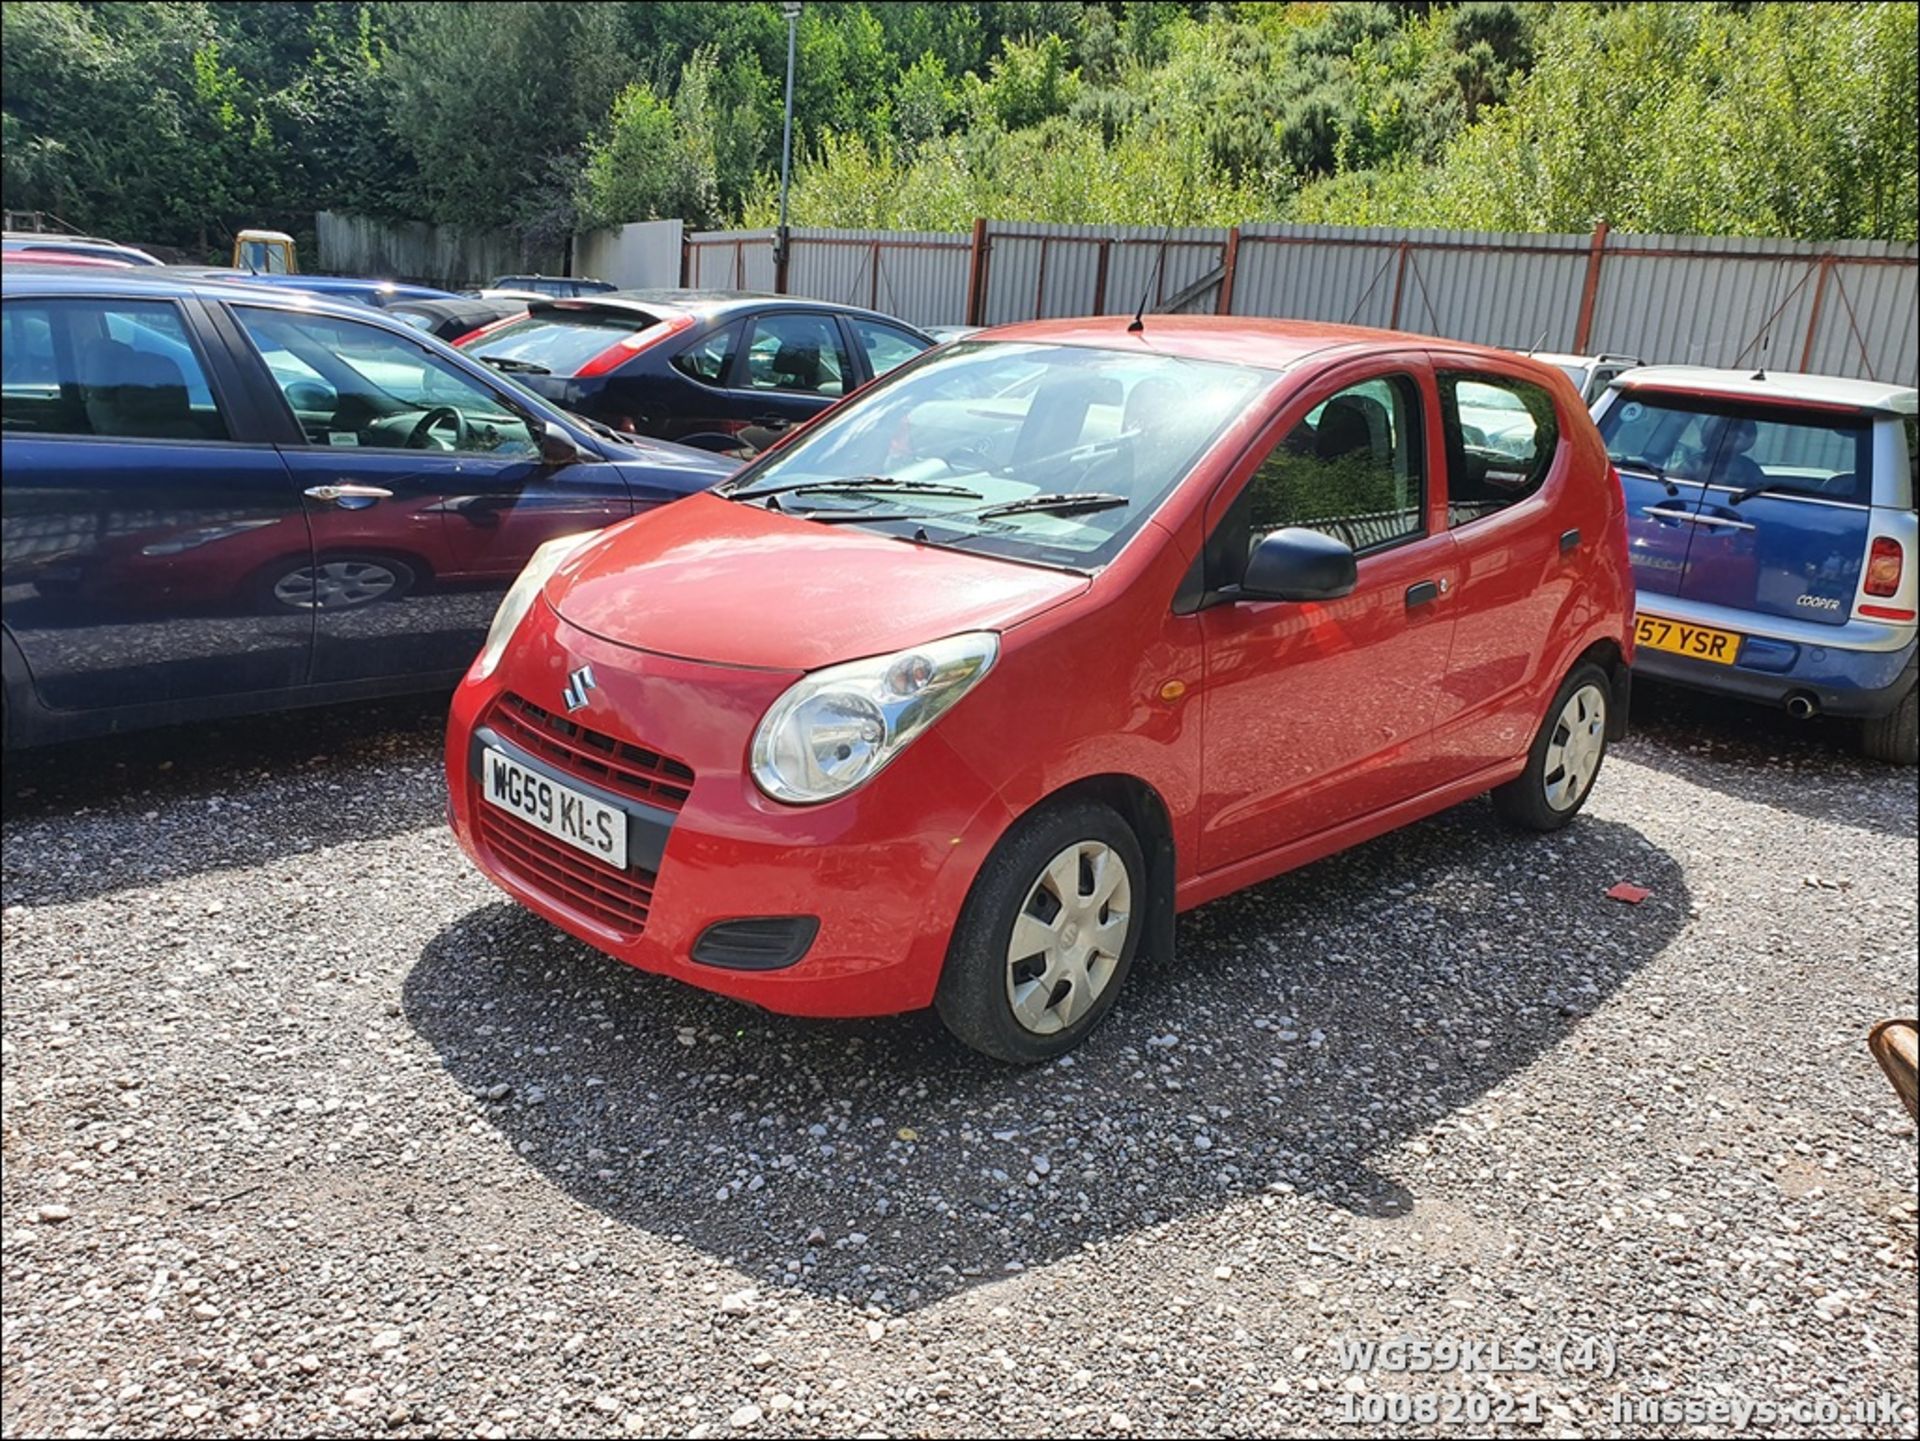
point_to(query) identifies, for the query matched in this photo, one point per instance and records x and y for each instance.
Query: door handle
(1657, 512)
(1569, 541)
(347, 495)
(1425, 593)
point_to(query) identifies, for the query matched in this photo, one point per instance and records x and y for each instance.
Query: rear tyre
(1047, 935)
(1565, 758)
(1895, 736)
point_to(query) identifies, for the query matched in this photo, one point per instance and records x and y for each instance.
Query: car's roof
(1784, 386)
(1245, 339)
(145, 282)
(708, 302)
(1559, 357)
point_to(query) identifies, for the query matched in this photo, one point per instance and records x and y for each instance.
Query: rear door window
(706, 359)
(796, 352)
(124, 368)
(1501, 437)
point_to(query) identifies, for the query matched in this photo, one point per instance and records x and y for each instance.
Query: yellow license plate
(1698, 641)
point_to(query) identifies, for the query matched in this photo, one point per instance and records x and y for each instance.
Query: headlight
(840, 726)
(520, 597)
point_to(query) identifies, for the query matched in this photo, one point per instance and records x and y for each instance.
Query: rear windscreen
(1740, 446)
(560, 341)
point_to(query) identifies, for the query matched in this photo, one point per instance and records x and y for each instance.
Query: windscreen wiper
(880, 484)
(1065, 502)
(508, 365)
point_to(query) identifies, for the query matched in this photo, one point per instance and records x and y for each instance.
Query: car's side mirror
(1297, 564)
(559, 448)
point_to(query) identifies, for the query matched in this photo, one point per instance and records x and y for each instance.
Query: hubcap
(1068, 937)
(1578, 741)
(335, 585)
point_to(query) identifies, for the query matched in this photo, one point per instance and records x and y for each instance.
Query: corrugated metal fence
(1849, 307)
(430, 254)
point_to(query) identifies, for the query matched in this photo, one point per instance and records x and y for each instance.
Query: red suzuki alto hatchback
(959, 694)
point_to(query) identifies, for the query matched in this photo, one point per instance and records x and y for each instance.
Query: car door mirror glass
(1299, 564)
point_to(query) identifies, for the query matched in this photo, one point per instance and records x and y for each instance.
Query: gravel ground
(308, 1131)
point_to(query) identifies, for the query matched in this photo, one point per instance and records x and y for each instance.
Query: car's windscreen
(560, 341)
(1577, 374)
(1741, 446)
(1049, 453)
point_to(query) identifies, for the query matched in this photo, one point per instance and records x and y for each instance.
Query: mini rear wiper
(1763, 488)
(510, 366)
(1065, 502)
(882, 484)
(1645, 467)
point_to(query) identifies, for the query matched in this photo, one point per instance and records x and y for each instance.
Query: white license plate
(561, 811)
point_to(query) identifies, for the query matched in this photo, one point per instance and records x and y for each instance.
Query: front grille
(618, 900)
(616, 765)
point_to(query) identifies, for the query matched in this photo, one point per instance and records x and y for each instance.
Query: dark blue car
(721, 369)
(224, 498)
(1772, 531)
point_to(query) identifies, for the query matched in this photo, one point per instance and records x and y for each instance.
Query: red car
(961, 693)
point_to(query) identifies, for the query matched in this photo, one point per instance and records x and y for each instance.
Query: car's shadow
(1306, 1027)
(1758, 754)
(183, 799)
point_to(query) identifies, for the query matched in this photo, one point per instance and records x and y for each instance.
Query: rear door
(143, 505)
(1782, 529)
(424, 489)
(1664, 448)
(1518, 529)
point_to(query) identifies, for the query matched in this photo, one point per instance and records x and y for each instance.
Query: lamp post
(790, 9)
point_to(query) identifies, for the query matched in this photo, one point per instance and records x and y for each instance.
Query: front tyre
(1047, 935)
(1565, 757)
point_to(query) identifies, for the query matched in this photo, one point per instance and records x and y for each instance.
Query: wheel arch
(1606, 654)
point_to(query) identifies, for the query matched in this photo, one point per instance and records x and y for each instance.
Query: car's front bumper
(883, 871)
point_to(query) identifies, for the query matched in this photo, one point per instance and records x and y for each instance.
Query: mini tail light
(628, 346)
(1884, 564)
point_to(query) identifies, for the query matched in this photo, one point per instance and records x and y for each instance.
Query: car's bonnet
(729, 583)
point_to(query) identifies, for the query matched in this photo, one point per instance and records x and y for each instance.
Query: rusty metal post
(1399, 287)
(1100, 278)
(686, 260)
(1223, 299)
(1040, 284)
(1590, 289)
(1813, 317)
(977, 274)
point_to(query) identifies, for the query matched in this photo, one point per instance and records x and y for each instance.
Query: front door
(141, 513)
(792, 366)
(1316, 713)
(424, 489)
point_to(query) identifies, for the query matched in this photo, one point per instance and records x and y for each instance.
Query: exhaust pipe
(1802, 706)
